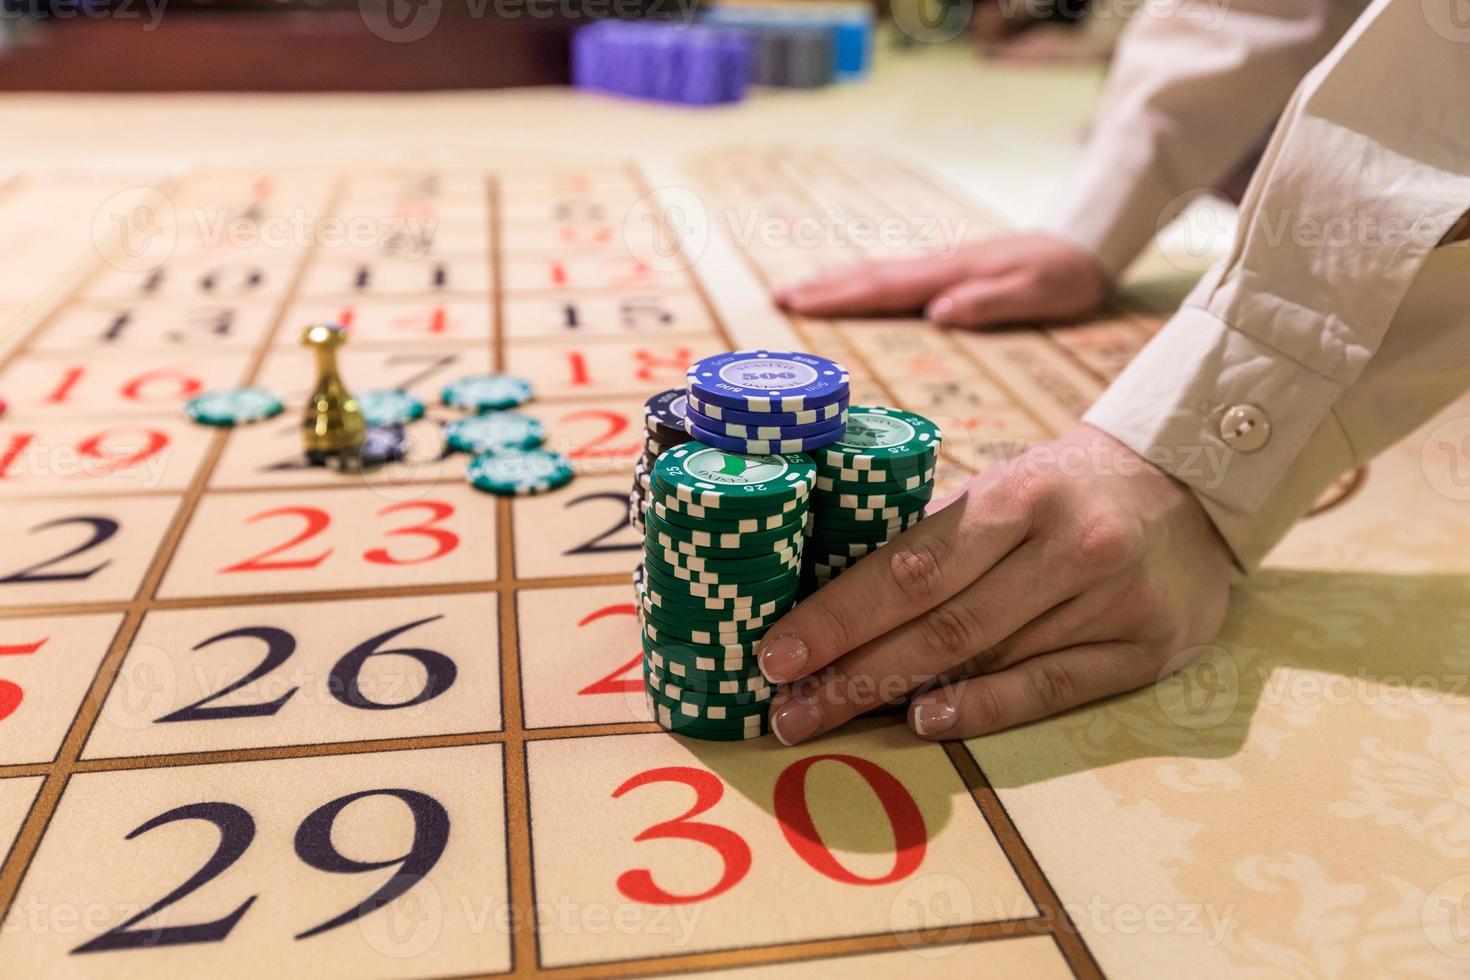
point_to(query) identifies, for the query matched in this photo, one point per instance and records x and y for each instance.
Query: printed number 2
(599, 544)
(103, 529)
(614, 682)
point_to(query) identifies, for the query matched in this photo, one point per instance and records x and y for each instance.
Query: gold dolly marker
(333, 427)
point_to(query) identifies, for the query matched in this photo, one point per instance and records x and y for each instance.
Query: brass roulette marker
(333, 426)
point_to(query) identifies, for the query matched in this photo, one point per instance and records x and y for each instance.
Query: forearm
(1192, 92)
(1326, 333)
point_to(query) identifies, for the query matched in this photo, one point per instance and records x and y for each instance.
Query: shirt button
(1245, 428)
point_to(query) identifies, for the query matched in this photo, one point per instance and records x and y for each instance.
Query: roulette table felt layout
(258, 717)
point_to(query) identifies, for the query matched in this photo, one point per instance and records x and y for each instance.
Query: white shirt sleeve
(1194, 88)
(1327, 332)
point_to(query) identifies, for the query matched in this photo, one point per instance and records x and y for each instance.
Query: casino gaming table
(183, 792)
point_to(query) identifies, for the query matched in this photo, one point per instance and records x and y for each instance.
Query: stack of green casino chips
(722, 550)
(872, 485)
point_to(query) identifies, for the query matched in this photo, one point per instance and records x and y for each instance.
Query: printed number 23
(274, 559)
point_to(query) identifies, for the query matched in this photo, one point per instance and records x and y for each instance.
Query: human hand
(1007, 279)
(1071, 573)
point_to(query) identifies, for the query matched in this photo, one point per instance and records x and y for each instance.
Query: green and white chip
(234, 406)
(752, 571)
(682, 659)
(674, 690)
(487, 392)
(716, 540)
(698, 474)
(748, 680)
(389, 406)
(697, 711)
(659, 632)
(495, 430)
(879, 438)
(870, 481)
(519, 471)
(724, 524)
(736, 730)
(758, 589)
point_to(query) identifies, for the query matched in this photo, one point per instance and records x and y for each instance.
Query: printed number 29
(313, 846)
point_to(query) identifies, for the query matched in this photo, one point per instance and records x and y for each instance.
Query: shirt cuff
(1227, 415)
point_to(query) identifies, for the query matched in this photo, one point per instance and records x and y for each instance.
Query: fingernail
(940, 310)
(783, 658)
(795, 721)
(783, 295)
(933, 717)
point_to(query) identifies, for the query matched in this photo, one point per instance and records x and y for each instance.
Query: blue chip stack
(763, 403)
(662, 61)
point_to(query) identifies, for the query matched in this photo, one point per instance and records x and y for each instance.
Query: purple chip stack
(662, 61)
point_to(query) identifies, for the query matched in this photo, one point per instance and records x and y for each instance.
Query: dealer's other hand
(1004, 280)
(1076, 571)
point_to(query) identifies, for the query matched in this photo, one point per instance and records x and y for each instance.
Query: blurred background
(359, 45)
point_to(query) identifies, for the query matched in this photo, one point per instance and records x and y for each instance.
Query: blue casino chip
(768, 447)
(768, 431)
(767, 381)
(824, 414)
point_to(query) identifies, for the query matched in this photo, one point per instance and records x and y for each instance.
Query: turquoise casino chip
(519, 471)
(234, 406)
(493, 431)
(389, 406)
(487, 392)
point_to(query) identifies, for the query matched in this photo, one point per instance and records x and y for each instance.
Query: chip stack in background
(721, 563)
(848, 41)
(872, 485)
(764, 401)
(663, 421)
(792, 57)
(662, 61)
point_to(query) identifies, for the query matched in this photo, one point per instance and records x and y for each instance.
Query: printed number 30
(910, 838)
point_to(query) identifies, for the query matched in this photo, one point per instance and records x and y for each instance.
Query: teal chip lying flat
(389, 406)
(495, 430)
(487, 392)
(519, 472)
(234, 406)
